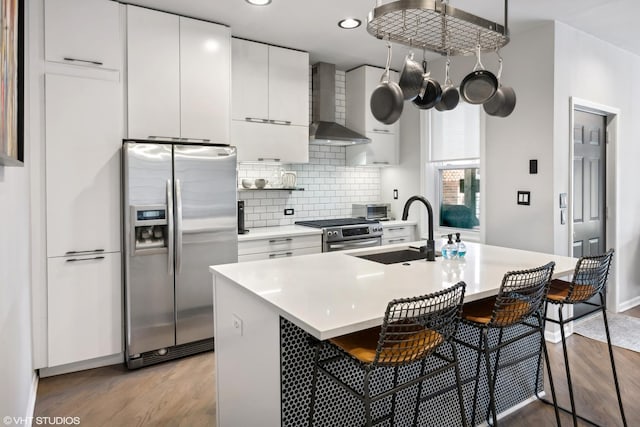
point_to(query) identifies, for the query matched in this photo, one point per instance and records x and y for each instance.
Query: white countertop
(335, 293)
(397, 222)
(283, 231)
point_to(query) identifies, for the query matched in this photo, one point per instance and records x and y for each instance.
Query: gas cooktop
(337, 222)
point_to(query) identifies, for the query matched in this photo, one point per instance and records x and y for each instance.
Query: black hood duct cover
(324, 129)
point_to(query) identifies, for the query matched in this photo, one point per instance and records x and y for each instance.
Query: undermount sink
(397, 256)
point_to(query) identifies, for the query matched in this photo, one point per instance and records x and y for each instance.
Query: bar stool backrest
(521, 294)
(414, 327)
(590, 277)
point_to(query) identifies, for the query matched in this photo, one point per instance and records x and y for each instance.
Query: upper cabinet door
(205, 80)
(153, 66)
(83, 32)
(250, 90)
(83, 137)
(288, 86)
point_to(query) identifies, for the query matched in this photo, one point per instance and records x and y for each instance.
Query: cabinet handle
(280, 122)
(380, 163)
(288, 239)
(395, 229)
(83, 252)
(382, 130)
(84, 259)
(284, 254)
(256, 120)
(84, 60)
(175, 138)
(263, 159)
(395, 240)
(205, 140)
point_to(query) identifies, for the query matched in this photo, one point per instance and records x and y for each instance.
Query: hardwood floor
(182, 392)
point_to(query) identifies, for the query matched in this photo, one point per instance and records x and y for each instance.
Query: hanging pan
(430, 92)
(387, 99)
(450, 95)
(480, 85)
(504, 101)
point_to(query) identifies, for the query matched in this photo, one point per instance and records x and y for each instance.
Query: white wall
(511, 142)
(596, 71)
(405, 177)
(16, 371)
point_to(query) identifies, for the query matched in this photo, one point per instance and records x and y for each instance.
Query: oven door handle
(355, 244)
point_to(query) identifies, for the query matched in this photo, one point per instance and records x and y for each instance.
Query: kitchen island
(266, 313)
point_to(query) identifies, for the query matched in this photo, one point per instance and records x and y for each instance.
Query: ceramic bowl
(261, 183)
(247, 183)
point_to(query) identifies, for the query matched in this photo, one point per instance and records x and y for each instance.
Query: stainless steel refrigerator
(180, 217)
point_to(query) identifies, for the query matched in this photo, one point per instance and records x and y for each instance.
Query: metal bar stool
(589, 279)
(518, 303)
(413, 329)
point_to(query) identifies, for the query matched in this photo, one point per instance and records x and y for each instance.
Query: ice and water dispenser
(151, 231)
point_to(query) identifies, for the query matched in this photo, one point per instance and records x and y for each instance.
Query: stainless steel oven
(347, 233)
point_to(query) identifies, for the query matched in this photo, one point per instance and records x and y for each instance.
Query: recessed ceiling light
(259, 2)
(349, 23)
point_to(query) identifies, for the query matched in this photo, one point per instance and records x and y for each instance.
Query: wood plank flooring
(182, 392)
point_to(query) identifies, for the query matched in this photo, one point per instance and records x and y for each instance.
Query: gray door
(589, 184)
(206, 232)
(148, 274)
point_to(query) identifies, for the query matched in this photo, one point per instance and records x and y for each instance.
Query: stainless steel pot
(387, 99)
(503, 102)
(411, 78)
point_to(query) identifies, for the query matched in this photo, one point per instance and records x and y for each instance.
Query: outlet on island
(289, 211)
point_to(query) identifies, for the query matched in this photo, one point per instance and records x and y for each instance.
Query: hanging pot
(431, 92)
(387, 99)
(410, 78)
(450, 95)
(480, 85)
(504, 101)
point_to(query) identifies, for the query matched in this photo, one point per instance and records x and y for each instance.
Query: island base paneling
(336, 407)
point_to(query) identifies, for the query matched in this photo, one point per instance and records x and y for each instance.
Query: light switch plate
(524, 198)
(236, 322)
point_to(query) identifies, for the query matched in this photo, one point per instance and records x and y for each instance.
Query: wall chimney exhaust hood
(324, 129)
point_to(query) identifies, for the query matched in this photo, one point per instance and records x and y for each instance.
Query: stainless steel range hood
(324, 129)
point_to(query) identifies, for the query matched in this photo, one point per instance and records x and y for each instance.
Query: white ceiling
(312, 25)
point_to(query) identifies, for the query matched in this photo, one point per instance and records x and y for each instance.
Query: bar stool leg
(463, 415)
(566, 366)
(475, 391)
(543, 348)
(416, 412)
(613, 365)
(314, 385)
(487, 361)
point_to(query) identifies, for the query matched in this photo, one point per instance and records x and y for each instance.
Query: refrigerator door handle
(170, 231)
(178, 227)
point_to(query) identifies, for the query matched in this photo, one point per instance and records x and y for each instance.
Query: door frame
(611, 197)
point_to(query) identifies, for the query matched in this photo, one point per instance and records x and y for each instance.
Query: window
(452, 169)
(459, 197)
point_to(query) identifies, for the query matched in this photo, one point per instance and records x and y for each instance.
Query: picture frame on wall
(12, 83)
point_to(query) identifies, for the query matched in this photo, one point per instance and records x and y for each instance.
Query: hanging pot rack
(436, 26)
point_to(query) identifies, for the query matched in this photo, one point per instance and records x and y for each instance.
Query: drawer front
(396, 240)
(398, 231)
(279, 254)
(278, 244)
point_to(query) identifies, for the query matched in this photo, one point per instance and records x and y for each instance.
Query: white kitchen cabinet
(278, 247)
(83, 136)
(84, 308)
(385, 139)
(83, 32)
(178, 77)
(270, 102)
(393, 234)
(205, 76)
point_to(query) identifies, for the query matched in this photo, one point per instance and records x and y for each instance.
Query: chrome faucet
(430, 247)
